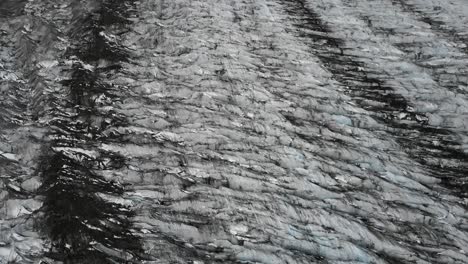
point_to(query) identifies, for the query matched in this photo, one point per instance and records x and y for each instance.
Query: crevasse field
(233, 131)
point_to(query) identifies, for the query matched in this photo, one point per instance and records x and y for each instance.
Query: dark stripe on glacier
(368, 89)
(85, 227)
(78, 221)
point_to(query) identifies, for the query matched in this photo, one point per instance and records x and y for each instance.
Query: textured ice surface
(233, 131)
